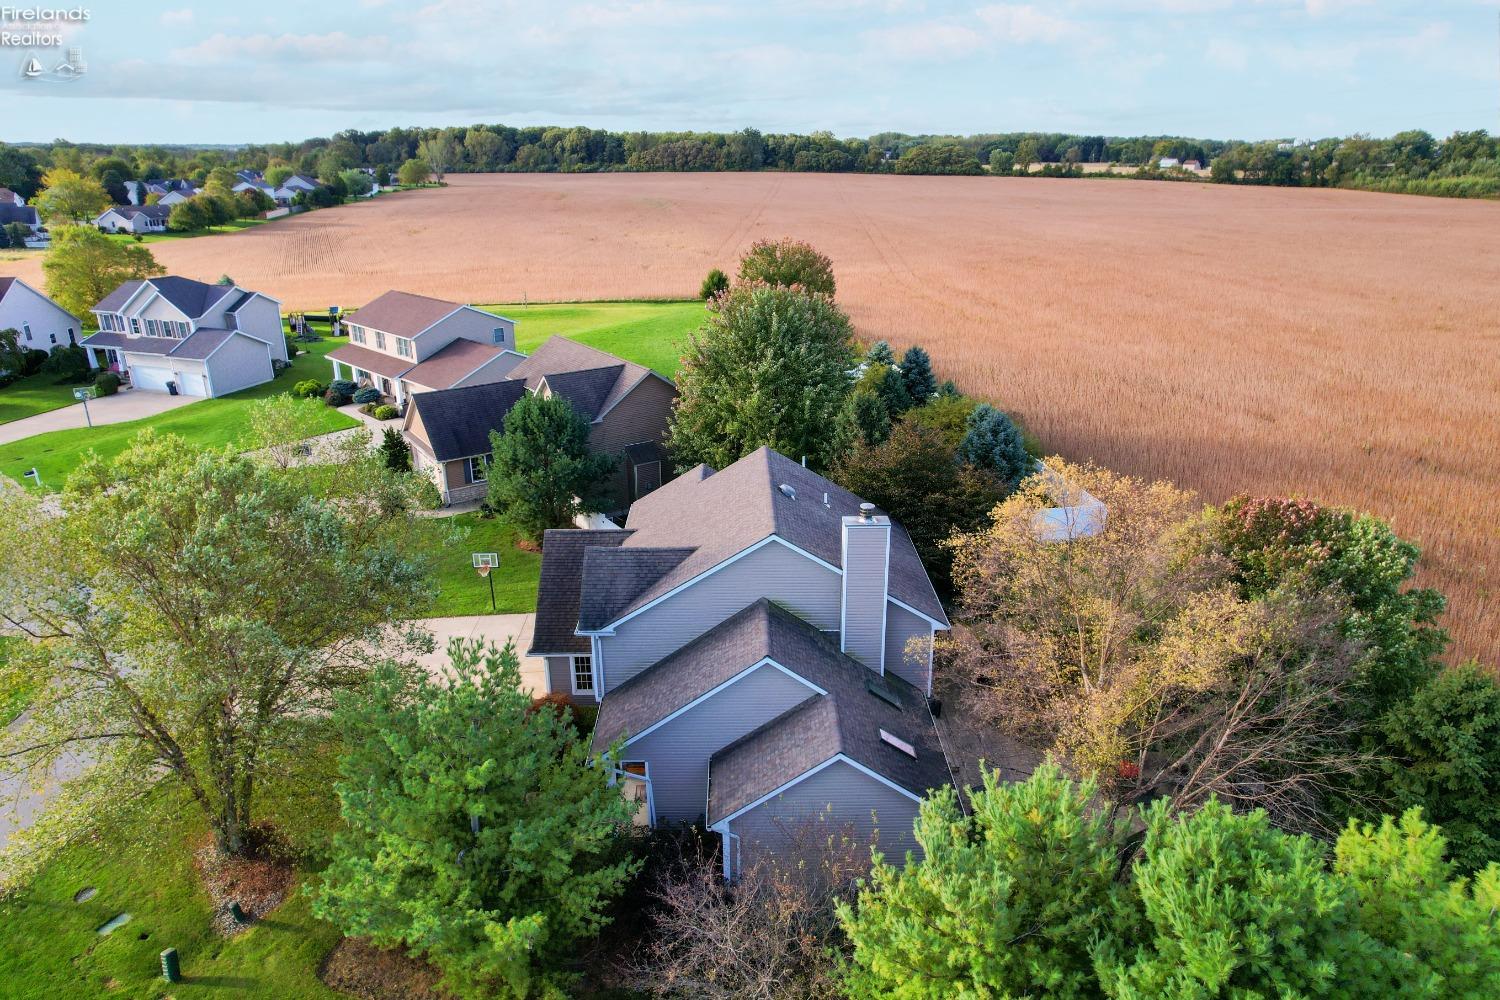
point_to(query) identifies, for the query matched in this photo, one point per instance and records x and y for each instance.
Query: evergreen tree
(394, 451)
(716, 282)
(477, 833)
(916, 371)
(880, 353)
(1004, 902)
(543, 474)
(891, 388)
(769, 368)
(993, 442)
(868, 421)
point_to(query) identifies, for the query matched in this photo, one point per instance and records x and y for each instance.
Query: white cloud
(925, 40)
(1022, 24)
(335, 46)
(177, 18)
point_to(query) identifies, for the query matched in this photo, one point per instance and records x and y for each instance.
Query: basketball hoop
(484, 570)
(483, 563)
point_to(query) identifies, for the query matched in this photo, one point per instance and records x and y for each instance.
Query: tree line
(1467, 163)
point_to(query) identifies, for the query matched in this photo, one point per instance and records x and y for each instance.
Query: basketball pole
(490, 576)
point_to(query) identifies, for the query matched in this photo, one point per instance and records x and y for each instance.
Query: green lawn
(649, 333)
(228, 227)
(52, 950)
(211, 422)
(461, 590)
(26, 397)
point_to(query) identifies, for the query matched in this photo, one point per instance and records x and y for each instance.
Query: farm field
(1335, 344)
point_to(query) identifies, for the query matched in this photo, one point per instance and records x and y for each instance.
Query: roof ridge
(813, 700)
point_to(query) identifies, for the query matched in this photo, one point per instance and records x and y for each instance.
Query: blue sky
(173, 72)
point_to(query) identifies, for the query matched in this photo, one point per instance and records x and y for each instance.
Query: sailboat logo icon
(32, 69)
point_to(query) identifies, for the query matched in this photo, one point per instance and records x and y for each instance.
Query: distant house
(759, 642)
(1168, 162)
(141, 191)
(23, 214)
(134, 218)
(283, 194)
(627, 407)
(174, 198)
(1192, 165)
(42, 323)
(174, 334)
(9, 197)
(403, 343)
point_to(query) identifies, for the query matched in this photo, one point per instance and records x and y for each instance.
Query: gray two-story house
(759, 641)
(173, 334)
(402, 344)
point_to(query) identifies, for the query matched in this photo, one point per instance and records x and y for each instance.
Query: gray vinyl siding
(679, 751)
(560, 679)
(23, 306)
(807, 589)
(900, 626)
(238, 364)
(840, 796)
(160, 309)
(261, 318)
(466, 324)
(867, 549)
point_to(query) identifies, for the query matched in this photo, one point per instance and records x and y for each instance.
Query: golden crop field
(1334, 344)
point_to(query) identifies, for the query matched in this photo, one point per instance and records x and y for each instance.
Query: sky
(216, 72)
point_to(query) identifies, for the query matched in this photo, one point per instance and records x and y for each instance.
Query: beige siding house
(402, 344)
(748, 636)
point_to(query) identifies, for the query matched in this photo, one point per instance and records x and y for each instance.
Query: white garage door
(191, 384)
(150, 378)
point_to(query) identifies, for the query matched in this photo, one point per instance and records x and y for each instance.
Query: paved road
(21, 801)
(127, 404)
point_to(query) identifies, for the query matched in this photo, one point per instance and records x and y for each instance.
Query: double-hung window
(357, 334)
(379, 340)
(403, 347)
(583, 675)
(477, 469)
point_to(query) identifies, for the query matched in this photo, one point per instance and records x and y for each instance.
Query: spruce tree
(880, 353)
(993, 442)
(916, 371)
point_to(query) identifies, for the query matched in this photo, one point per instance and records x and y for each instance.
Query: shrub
(385, 411)
(428, 497)
(68, 363)
(32, 361)
(308, 388)
(368, 409)
(106, 384)
(369, 394)
(716, 282)
(343, 387)
(335, 398)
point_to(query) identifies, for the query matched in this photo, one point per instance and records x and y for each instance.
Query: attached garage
(192, 384)
(149, 377)
(208, 362)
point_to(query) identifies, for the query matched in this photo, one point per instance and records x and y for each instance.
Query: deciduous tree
(194, 613)
(68, 196)
(787, 263)
(414, 171)
(84, 265)
(770, 367)
(543, 474)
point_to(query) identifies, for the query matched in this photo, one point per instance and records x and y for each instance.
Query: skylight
(899, 744)
(876, 685)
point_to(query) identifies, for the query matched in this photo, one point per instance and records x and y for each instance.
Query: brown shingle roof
(557, 590)
(451, 364)
(559, 354)
(403, 314)
(370, 361)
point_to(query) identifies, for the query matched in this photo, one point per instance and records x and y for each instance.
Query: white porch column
(336, 370)
(93, 358)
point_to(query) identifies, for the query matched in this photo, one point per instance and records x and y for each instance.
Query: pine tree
(476, 830)
(916, 371)
(892, 390)
(993, 442)
(394, 451)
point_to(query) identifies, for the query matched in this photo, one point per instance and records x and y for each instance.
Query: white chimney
(867, 564)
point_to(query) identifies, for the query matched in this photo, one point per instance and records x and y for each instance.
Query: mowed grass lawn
(653, 334)
(26, 397)
(450, 543)
(211, 422)
(52, 948)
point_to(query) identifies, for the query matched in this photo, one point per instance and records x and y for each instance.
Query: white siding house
(42, 323)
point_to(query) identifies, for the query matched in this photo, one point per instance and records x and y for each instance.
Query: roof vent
(787, 491)
(899, 744)
(867, 511)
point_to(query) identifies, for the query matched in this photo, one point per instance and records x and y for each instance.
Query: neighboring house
(173, 334)
(174, 198)
(42, 323)
(134, 218)
(140, 191)
(760, 642)
(403, 343)
(1192, 165)
(1168, 162)
(299, 182)
(24, 214)
(282, 195)
(9, 197)
(627, 407)
(248, 177)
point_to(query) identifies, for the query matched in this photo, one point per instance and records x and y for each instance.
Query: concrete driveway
(489, 628)
(127, 404)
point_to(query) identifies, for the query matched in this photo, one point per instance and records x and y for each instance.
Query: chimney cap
(866, 511)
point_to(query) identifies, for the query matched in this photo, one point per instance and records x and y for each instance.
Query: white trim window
(26, 329)
(403, 347)
(581, 668)
(498, 335)
(477, 469)
(135, 325)
(357, 334)
(379, 340)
